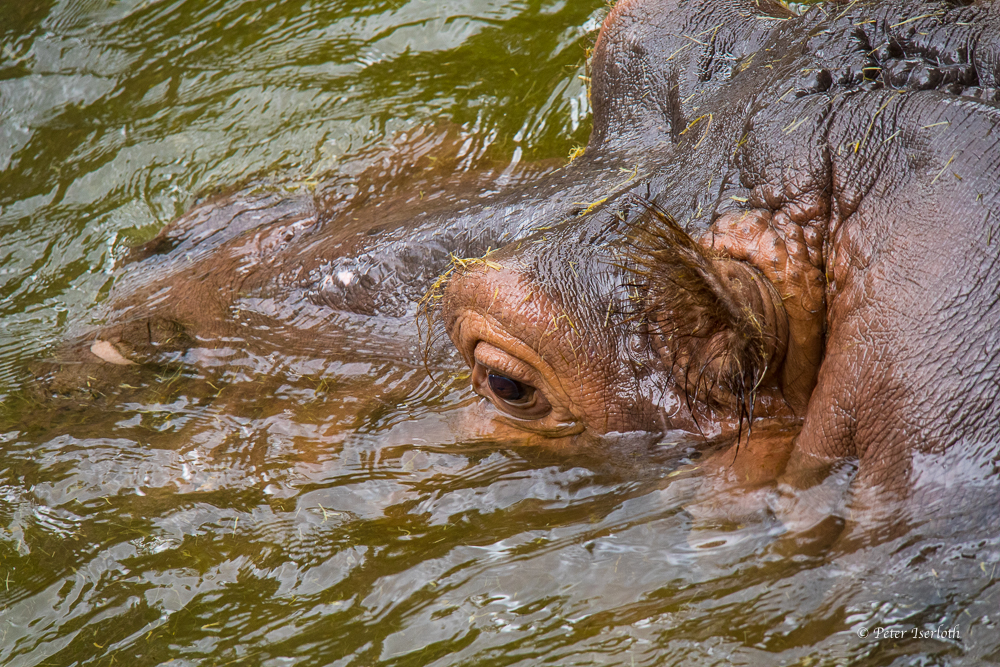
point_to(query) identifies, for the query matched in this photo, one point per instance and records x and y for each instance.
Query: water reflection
(249, 503)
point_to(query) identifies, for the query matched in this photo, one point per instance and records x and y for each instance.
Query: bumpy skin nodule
(848, 157)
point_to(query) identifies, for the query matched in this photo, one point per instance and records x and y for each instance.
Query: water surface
(323, 509)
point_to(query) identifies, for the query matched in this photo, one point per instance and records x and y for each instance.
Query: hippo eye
(507, 389)
(495, 381)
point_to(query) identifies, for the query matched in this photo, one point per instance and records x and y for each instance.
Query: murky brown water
(296, 509)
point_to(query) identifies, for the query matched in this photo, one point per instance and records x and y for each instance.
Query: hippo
(811, 260)
(779, 240)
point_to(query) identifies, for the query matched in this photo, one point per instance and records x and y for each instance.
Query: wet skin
(784, 222)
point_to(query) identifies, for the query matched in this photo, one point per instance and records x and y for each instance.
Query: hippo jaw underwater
(845, 281)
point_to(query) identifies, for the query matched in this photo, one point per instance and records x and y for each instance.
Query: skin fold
(782, 238)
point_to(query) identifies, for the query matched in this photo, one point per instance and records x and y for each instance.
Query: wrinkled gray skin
(849, 157)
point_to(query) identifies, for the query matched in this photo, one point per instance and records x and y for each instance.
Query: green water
(333, 515)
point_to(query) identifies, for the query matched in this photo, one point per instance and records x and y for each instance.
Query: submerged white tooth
(109, 353)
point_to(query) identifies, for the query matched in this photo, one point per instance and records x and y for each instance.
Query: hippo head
(832, 176)
(638, 328)
(614, 319)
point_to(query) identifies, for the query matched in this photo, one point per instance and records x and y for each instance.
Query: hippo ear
(716, 323)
